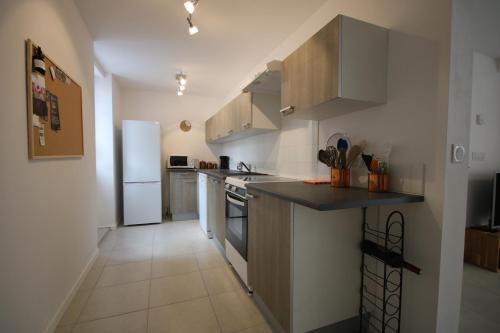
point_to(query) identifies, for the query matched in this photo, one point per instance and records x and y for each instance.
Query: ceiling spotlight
(190, 5)
(181, 82)
(192, 28)
(181, 78)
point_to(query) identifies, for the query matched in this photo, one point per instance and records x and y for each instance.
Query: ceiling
(146, 42)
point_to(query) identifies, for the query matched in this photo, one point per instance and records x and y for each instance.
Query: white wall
(107, 94)
(47, 208)
(484, 138)
(170, 110)
(413, 120)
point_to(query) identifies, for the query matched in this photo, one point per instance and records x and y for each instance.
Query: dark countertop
(325, 197)
(223, 173)
(217, 173)
(181, 170)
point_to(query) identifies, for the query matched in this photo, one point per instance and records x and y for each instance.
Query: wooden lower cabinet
(269, 254)
(183, 195)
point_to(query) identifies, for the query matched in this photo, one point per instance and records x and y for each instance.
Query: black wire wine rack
(382, 267)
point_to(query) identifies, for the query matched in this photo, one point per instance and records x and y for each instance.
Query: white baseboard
(71, 294)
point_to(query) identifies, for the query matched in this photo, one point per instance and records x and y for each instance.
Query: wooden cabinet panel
(269, 254)
(324, 48)
(183, 193)
(342, 68)
(243, 111)
(310, 73)
(241, 117)
(209, 130)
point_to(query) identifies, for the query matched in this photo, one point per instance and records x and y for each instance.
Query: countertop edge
(408, 198)
(212, 173)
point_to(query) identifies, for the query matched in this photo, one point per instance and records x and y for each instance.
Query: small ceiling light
(181, 78)
(190, 5)
(181, 82)
(192, 28)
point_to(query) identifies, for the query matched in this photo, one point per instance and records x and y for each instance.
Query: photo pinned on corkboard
(185, 125)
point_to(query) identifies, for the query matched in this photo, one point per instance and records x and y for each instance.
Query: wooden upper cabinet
(342, 68)
(242, 111)
(209, 130)
(248, 114)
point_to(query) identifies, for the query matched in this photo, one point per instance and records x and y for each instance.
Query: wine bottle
(389, 257)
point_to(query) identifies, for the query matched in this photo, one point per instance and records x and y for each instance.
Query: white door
(202, 201)
(142, 203)
(141, 151)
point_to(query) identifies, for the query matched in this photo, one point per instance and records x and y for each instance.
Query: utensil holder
(341, 177)
(378, 183)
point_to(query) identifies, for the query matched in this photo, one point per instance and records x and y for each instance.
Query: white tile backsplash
(292, 152)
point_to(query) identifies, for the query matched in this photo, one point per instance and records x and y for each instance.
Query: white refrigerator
(141, 172)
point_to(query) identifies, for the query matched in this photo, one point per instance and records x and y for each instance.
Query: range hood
(268, 81)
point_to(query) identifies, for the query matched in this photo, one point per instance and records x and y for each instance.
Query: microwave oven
(181, 161)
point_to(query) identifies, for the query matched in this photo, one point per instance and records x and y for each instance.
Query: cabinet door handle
(245, 125)
(230, 132)
(288, 110)
(251, 196)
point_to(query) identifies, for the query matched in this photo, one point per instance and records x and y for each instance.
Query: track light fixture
(181, 81)
(190, 5)
(192, 28)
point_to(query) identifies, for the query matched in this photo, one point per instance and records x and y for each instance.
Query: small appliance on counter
(224, 162)
(181, 161)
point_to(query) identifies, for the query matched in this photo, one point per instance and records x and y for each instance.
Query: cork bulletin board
(54, 100)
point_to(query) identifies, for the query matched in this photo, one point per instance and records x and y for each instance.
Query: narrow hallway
(161, 278)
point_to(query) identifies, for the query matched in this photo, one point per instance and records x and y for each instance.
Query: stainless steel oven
(237, 222)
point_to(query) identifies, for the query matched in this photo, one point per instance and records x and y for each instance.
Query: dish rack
(381, 279)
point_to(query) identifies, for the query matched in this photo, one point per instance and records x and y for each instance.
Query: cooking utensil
(368, 161)
(334, 139)
(332, 155)
(353, 153)
(323, 157)
(342, 147)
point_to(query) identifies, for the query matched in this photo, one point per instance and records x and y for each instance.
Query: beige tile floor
(165, 278)
(480, 310)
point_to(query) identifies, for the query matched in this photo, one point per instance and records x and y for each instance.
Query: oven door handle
(235, 201)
